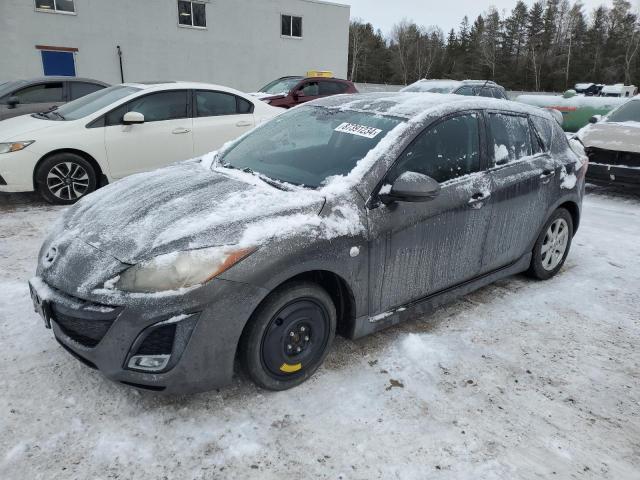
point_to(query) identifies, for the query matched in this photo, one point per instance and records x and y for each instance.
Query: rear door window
(511, 137)
(41, 93)
(332, 88)
(445, 151)
(80, 89)
(213, 104)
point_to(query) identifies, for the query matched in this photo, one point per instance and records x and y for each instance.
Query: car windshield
(8, 87)
(629, 112)
(431, 87)
(307, 145)
(282, 85)
(93, 102)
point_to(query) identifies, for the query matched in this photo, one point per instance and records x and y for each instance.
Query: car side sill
(366, 325)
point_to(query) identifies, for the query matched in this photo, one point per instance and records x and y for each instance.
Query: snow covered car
(612, 144)
(479, 88)
(348, 215)
(68, 152)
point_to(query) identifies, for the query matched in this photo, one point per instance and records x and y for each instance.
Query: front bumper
(16, 169)
(603, 173)
(208, 328)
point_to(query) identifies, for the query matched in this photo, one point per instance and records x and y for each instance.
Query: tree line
(549, 46)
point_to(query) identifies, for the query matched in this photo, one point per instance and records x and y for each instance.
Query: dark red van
(287, 92)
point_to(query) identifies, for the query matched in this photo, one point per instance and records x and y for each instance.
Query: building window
(58, 6)
(291, 26)
(192, 14)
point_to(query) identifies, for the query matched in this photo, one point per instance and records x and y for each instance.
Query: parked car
(619, 90)
(287, 92)
(576, 109)
(40, 94)
(349, 214)
(478, 88)
(612, 144)
(67, 153)
(588, 89)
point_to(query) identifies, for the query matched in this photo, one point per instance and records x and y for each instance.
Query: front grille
(610, 157)
(159, 341)
(86, 328)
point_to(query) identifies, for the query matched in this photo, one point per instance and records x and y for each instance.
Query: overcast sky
(446, 14)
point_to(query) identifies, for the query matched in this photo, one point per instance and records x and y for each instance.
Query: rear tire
(553, 245)
(64, 178)
(289, 336)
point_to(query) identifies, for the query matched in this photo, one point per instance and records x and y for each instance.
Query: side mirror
(133, 118)
(12, 102)
(595, 119)
(410, 187)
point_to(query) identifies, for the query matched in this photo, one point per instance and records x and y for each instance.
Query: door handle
(243, 123)
(180, 131)
(478, 199)
(547, 175)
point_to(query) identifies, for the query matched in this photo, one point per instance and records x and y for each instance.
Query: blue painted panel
(58, 63)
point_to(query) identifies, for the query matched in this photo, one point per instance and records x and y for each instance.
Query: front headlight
(14, 146)
(178, 270)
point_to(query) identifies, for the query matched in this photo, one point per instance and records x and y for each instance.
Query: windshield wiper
(56, 113)
(268, 180)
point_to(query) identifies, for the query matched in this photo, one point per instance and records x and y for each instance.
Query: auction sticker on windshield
(360, 130)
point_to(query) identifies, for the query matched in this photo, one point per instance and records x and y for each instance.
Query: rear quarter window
(544, 129)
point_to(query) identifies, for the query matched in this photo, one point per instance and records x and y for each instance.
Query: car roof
(179, 85)
(410, 105)
(456, 83)
(488, 83)
(61, 79)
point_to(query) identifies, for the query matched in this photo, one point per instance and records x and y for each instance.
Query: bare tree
(630, 52)
(355, 39)
(401, 38)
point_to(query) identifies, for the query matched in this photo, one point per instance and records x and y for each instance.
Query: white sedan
(68, 152)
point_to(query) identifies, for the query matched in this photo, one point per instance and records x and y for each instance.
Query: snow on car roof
(410, 105)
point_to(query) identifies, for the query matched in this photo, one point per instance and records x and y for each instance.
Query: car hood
(182, 207)
(23, 127)
(268, 96)
(622, 137)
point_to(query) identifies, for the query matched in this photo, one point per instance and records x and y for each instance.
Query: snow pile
(471, 391)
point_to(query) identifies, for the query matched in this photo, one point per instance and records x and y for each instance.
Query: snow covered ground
(518, 380)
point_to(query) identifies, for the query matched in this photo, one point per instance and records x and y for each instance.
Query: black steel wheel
(289, 336)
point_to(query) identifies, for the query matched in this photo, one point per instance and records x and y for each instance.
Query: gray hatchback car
(346, 215)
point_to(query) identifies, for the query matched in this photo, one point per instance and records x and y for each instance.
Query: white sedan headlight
(178, 270)
(14, 146)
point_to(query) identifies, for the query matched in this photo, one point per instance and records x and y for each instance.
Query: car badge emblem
(50, 256)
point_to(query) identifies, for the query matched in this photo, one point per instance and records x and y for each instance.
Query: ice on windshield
(629, 112)
(308, 145)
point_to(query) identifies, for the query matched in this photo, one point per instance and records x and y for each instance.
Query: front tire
(289, 336)
(64, 178)
(553, 245)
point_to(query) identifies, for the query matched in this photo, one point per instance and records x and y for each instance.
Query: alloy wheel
(555, 244)
(67, 181)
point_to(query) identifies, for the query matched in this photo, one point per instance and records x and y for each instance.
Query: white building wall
(241, 46)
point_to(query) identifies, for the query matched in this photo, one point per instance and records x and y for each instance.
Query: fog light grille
(158, 342)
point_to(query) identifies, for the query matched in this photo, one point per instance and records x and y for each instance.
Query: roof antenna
(482, 88)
